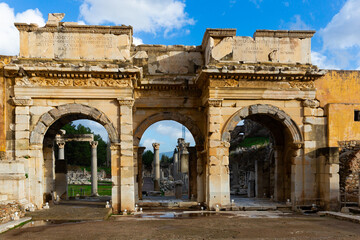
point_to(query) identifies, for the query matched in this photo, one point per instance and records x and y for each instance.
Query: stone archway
(198, 172)
(263, 109)
(41, 144)
(180, 118)
(287, 138)
(70, 112)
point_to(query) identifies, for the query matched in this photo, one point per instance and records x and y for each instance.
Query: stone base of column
(178, 189)
(156, 185)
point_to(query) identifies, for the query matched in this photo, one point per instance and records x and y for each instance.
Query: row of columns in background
(60, 169)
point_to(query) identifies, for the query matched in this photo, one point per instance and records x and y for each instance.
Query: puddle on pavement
(179, 215)
(40, 223)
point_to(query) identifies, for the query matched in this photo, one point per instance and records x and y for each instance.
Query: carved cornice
(54, 82)
(230, 76)
(22, 101)
(126, 101)
(212, 102)
(66, 28)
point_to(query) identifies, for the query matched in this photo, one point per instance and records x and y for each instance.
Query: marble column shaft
(94, 180)
(157, 166)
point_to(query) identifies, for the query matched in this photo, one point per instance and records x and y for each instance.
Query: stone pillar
(115, 177)
(201, 155)
(127, 169)
(259, 181)
(140, 152)
(176, 165)
(61, 172)
(2, 119)
(94, 179)
(157, 166)
(359, 192)
(218, 187)
(22, 149)
(251, 185)
(279, 171)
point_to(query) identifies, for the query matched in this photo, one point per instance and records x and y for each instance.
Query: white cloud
(173, 131)
(137, 41)
(9, 40)
(321, 61)
(342, 31)
(151, 16)
(341, 38)
(298, 24)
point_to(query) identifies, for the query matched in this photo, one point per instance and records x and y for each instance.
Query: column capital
(61, 144)
(141, 150)
(94, 144)
(126, 101)
(214, 102)
(156, 146)
(22, 101)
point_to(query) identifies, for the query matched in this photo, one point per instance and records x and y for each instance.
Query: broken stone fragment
(55, 18)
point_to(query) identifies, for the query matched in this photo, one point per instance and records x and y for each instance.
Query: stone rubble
(83, 177)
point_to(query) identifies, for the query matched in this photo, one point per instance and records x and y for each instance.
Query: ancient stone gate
(66, 72)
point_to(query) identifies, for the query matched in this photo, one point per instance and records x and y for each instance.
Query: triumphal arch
(66, 72)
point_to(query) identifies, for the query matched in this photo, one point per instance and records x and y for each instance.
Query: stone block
(22, 119)
(22, 110)
(40, 128)
(22, 135)
(315, 120)
(36, 137)
(22, 144)
(214, 143)
(22, 127)
(47, 119)
(56, 113)
(39, 110)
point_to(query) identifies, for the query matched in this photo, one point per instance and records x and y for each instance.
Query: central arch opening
(169, 163)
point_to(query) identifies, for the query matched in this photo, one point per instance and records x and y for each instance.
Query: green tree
(147, 159)
(79, 153)
(165, 161)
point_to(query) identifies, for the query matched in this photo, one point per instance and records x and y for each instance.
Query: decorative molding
(212, 102)
(312, 103)
(22, 101)
(53, 82)
(126, 101)
(302, 85)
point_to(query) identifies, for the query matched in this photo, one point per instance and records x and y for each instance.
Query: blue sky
(336, 45)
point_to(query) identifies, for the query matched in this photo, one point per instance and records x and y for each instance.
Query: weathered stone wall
(349, 175)
(265, 46)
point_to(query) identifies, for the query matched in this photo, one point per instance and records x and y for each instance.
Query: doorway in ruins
(262, 150)
(77, 161)
(167, 163)
(251, 162)
(349, 172)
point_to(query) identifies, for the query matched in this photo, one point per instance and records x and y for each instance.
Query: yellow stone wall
(3, 61)
(339, 93)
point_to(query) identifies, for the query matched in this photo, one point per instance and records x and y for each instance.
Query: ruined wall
(338, 92)
(265, 46)
(349, 175)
